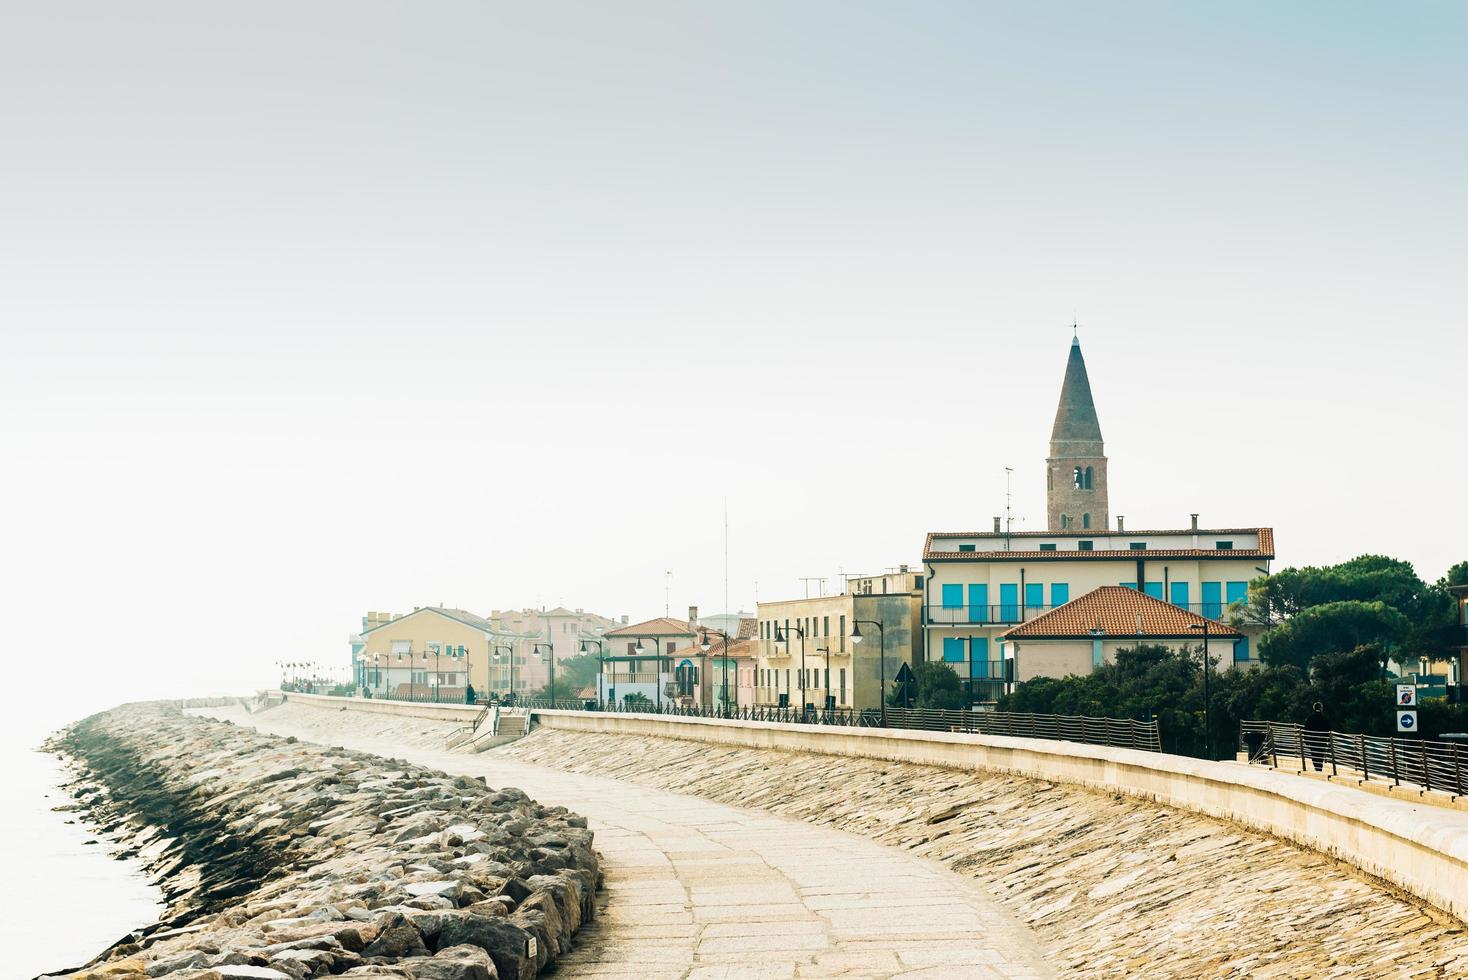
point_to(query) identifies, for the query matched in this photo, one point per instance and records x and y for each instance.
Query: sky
(310, 310)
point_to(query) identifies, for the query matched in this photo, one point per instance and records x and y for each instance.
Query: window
(842, 625)
(843, 685)
(672, 646)
(1178, 594)
(952, 596)
(1085, 545)
(1129, 585)
(1064, 522)
(825, 625)
(978, 602)
(1088, 478)
(1085, 522)
(402, 647)
(967, 547)
(1034, 595)
(1241, 650)
(1138, 546)
(1048, 546)
(1224, 545)
(1153, 589)
(1236, 592)
(1079, 479)
(1059, 593)
(953, 649)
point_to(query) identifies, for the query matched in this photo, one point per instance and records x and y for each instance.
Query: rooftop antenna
(667, 593)
(726, 555)
(808, 579)
(1008, 508)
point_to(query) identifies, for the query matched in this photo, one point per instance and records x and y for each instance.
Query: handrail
(1115, 732)
(1425, 763)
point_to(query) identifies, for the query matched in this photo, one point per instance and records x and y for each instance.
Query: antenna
(726, 555)
(1008, 506)
(667, 593)
(808, 579)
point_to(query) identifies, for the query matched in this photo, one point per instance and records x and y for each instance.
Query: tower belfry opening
(1076, 468)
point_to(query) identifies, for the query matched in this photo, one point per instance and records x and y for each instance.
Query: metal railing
(1115, 732)
(1414, 761)
(1012, 613)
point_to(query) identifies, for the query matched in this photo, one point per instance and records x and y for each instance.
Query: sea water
(67, 897)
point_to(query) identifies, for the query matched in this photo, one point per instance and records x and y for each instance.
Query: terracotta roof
(748, 628)
(662, 626)
(742, 649)
(1118, 611)
(458, 615)
(1265, 549)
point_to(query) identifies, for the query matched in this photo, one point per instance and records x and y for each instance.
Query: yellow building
(430, 652)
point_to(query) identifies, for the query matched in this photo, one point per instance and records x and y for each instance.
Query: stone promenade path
(705, 891)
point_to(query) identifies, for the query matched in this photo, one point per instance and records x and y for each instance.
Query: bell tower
(1075, 473)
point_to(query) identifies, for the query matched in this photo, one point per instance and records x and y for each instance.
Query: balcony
(615, 678)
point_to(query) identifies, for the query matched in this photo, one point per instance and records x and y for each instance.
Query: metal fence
(1115, 732)
(1415, 761)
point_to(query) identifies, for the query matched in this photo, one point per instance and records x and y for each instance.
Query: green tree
(935, 685)
(1333, 627)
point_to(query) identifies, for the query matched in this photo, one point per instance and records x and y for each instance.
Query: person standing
(1317, 735)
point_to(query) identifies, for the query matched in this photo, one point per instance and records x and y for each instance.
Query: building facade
(807, 652)
(429, 653)
(657, 660)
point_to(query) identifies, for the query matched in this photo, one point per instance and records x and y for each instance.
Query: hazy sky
(311, 309)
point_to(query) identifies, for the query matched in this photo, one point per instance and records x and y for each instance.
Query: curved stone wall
(1420, 848)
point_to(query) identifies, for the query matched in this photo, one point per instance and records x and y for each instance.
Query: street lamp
(704, 644)
(1207, 669)
(782, 636)
(657, 668)
(536, 654)
(856, 637)
(827, 651)
(601, 667)
(509, 655)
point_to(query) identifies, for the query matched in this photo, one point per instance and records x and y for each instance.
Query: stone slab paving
(699, 890)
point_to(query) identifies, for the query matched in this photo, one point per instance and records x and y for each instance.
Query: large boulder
(516, 953)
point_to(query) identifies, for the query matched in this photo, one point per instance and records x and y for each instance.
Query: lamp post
(704, 644)
(601, 666)
(657, 666)
(376, 671)
(826, 704)
(510, 655)
(1207, 697)
(536, 653)
(856, 637)
(781, 636)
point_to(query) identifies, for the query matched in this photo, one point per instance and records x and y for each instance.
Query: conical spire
(1075, 418)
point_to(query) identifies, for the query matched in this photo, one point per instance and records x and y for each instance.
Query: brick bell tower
(1075, 480)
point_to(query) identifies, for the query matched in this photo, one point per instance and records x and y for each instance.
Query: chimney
(1121, 522)
(998, 524)
(1195, 522)
(624, 619)
(693, 617)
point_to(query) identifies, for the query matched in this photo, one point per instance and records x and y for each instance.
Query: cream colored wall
(1055, 659)
(822, 609)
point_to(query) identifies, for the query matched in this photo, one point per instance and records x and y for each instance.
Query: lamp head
(856, 636)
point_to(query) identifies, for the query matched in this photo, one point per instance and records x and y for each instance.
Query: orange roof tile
(662, 626)
(1118, 611)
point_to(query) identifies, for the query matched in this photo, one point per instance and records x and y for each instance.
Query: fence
(1115, 732)
(1417, 762)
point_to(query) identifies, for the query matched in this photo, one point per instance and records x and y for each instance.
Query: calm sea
(69, 898)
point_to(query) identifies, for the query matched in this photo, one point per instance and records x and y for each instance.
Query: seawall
(284, 860)
(1420, 848)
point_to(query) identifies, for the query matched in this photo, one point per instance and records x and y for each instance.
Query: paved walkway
(697, 890)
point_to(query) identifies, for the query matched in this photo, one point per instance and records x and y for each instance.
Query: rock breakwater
(283, 860)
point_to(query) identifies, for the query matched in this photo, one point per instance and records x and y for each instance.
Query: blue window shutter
(978, 603)
(1236, 592)
(1059, 593)
(1212, 599)
(1153, 589)
(952, 596)
(1129, 585)
(1097, 656)
(1034, 595)
(1179, 594)
(953, 649)
(1241, 650)
(1009, 602)
(979, 651)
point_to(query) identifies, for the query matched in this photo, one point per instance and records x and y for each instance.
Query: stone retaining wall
(283, 860)
(1420, 848)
